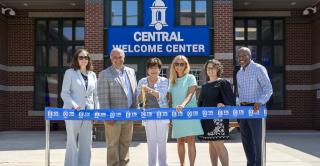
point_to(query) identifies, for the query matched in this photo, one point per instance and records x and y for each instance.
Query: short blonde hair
(173, 73)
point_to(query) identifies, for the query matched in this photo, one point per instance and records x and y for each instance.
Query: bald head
(245, 50)
(244, 56)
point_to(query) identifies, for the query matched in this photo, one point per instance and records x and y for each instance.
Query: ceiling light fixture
(307, 10)
(293, 3)
(11, 11)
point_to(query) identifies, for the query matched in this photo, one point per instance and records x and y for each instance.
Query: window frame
(209, 13)
(61, 44)
(107, 13)
(259, 43)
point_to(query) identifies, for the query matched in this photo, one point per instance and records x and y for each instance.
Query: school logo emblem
(158, 11)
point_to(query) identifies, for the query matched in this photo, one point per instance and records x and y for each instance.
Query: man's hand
(256, 107)
(220, 105)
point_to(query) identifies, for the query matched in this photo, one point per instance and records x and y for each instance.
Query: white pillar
(153, 16)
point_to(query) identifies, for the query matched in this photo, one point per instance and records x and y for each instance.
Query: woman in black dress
(216, 92)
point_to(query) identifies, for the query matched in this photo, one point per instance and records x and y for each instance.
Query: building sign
(159, 36)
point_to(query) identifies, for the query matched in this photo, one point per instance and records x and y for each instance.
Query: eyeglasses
(210, 68)
(83, 58)
(116, 57)
(179, 64)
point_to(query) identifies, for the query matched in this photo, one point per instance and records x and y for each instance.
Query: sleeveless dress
(183, 128)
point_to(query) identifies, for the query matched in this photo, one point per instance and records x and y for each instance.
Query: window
(165, 71)
(122, 12)
(265, 38)
(194, 12)
(197, 73)
(56, 41)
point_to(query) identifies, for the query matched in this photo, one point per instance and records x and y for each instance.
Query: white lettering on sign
(174, 48)
(140, 48)
(185, 48)
(157, 37)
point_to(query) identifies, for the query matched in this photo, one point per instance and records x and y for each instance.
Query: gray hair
(245, 49)
(119, 50)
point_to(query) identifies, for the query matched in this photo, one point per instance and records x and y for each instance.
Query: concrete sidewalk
(284, 148)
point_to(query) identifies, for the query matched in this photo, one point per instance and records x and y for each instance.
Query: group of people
(117, 87)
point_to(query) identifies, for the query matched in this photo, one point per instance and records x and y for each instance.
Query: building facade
(38, 40)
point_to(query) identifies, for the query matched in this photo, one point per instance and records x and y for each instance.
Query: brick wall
(301, 32)
(3, 73)
(301, 105)
(20, 35)
(298, 40)
(21, 40)
(21, 53)
(227, 68)
(223, 33)
(3, 40)
(94, 28)
(316, 59)
(298, 52)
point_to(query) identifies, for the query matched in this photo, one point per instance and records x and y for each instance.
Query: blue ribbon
(228, 112)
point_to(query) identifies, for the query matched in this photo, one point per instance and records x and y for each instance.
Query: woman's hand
(144, 88)
(77, 108)
(220, 105)
(179, 108)
(150, 91)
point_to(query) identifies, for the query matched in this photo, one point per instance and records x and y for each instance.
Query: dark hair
(154, 62)
(216, 64)
(75, 63)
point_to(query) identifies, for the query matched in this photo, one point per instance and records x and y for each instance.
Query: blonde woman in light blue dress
(182, 89)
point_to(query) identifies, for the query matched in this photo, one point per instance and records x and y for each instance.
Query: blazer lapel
(130, 79)
(116, 75)
(90, 80)
(82, 80)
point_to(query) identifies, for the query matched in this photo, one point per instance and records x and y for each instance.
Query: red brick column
(223, 34)
(21, 75)
(3, 72)
(316, 71)
(94, 31)
(298, 78)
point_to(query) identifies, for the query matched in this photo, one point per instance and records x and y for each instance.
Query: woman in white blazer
(152, 92)
(79, 91)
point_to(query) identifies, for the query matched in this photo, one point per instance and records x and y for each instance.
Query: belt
(246, 103)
